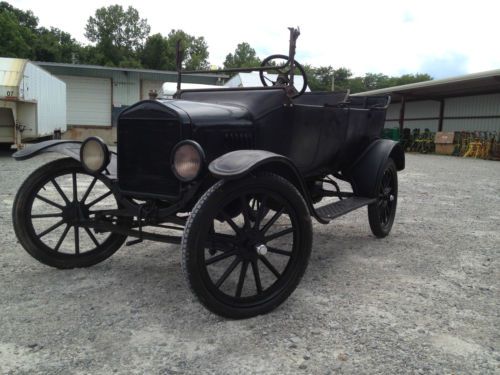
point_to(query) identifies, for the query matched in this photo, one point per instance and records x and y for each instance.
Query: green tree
(195, 50)
(15, 40)
(17, 32)
(412, 78)
(118, 34)
(244, 57)
(55, 45)
(155, 55)
(25, 18)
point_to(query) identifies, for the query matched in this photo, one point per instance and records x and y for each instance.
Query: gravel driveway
(424, 300)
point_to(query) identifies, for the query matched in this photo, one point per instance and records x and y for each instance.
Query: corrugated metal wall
(50, 94)
(468, 113)
(481, 112)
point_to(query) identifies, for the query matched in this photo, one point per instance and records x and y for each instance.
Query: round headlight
(94, 155)
(187, 160)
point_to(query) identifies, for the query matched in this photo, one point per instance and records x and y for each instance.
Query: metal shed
(97, 94)
(465, 103)
(32, 101)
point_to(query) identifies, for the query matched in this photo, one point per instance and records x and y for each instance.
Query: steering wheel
(283, 78)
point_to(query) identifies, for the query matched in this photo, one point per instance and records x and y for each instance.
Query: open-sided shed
(466, 103)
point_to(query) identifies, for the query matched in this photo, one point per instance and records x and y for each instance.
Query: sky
(442, 38)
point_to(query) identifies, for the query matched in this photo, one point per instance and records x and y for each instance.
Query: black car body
(239, 172)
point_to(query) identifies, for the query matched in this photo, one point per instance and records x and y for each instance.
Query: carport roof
(119, 69)
(470, 84)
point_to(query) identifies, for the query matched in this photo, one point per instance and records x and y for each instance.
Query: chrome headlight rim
(200, 152)
(105, 151)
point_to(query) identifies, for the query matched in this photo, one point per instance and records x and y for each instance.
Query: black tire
(298, 66)
(381, 214)
(276, 272)
(63, 211)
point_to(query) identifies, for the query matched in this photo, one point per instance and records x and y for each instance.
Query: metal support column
(402, 114)
(441, 115)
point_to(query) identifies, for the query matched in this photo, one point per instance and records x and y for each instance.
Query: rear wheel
(381, 214)
(51, 211)
(246, 245)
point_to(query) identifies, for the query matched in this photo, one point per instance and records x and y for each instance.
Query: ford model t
(233, 175)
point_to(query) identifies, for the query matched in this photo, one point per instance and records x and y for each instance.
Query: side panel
(49, 94)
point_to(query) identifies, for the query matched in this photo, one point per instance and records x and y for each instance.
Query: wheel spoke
(59, 190)
(256, 276)
(50, 229)
(268, 264)
(89, 189)
(92, 237)
(279, 251)
(63, 236)
(77, 239)
(275, 217)
(97, 200)
(269, 79)
(40, 216)
(241, 281)
(260, 212)
(279, 234)
(226, 274)
(75, 191)
(220, 257)
(48, 201)
(216, 239)
(231, 223)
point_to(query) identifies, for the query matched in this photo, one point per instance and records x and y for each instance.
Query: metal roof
(470, 84)
(119, 69)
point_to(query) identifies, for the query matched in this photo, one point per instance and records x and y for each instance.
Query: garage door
(146, 86)
(88, 100)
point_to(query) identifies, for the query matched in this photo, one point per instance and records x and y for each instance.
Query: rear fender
(238, 164)
(64, 147)
(367, 169)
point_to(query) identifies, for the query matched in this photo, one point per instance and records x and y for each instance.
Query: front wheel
(381, 214)
(246, 245)
(52, 210)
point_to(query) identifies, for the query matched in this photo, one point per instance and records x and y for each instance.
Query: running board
(342, 207)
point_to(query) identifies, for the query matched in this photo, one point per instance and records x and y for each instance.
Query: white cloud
(390, 37)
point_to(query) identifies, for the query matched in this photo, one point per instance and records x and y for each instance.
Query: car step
(342, 207)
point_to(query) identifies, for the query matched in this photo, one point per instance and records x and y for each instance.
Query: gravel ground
(424, 300)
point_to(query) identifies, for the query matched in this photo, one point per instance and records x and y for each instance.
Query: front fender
(237, 164)
(367, 169)
(65, 147)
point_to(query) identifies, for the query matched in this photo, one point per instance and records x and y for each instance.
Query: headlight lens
(94, 155)
(187, 160)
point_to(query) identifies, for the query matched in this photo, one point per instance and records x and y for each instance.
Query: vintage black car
(236, 173)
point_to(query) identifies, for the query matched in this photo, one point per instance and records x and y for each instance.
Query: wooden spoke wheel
(381, 214)
(246, 245)
(52, 210)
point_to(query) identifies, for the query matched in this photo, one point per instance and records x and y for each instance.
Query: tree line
(121, 38)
